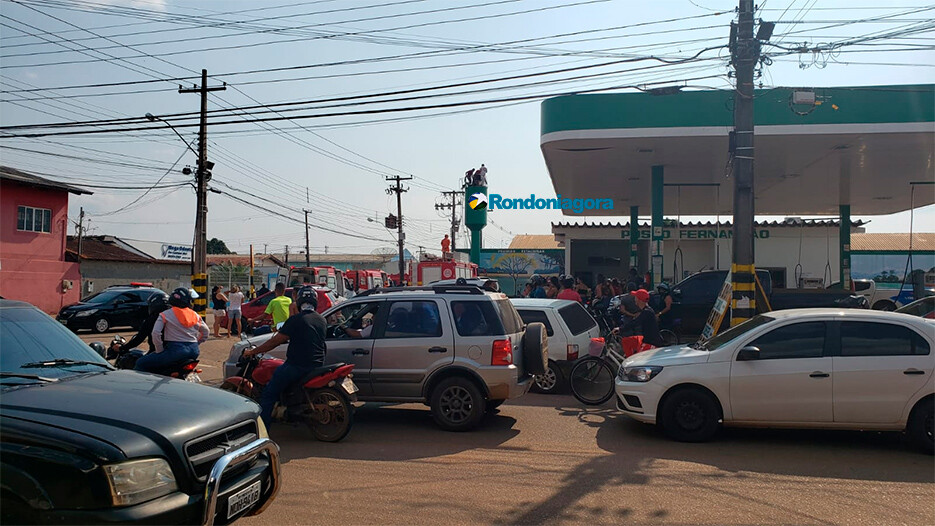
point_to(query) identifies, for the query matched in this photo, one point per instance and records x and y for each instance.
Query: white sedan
(807, 368)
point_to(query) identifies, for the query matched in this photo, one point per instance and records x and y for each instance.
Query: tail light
(190, 366)
(502, 353)
(572, 353)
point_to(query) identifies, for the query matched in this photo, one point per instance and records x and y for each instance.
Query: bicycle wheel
(592, 381)
(669, 337)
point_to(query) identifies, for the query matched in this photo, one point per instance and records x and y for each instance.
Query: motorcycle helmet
(158, 302)
(306, 299)
(182, 298)
(663, 288)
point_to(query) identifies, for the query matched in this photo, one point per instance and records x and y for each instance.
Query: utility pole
(745, 53)
(80, 235)
(308, 260)
(453, 205)
(202, 175)
(287, 255)
(398, 190)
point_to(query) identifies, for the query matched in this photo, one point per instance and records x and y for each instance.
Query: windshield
(731, 334)
(28, 336)
(102, 297)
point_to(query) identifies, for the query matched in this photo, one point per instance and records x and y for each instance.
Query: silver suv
(457, 348)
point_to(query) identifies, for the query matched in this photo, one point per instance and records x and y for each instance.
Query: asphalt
(547, 459)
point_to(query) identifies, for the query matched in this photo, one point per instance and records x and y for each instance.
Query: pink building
(33, 230)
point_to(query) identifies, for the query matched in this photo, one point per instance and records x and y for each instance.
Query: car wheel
(921, 428)
(535, 349)
(549, 382)
(457, 404)
(690, 415)
(101, 325)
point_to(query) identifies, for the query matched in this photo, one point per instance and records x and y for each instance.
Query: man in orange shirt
(446, 246)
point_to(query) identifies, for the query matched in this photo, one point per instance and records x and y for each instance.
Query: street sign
(717, 313)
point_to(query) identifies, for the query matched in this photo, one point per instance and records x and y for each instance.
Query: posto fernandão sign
(694, 233)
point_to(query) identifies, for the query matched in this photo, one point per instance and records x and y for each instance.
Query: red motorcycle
(322, 400)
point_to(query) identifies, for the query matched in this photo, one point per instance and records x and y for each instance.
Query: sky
(393, 63)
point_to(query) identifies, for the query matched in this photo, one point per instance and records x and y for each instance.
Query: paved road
(545, 459)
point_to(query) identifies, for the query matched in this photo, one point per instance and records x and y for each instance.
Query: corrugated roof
(97, 248)
(921, 242)
(19, 176)
(710, 224)
(534, 241)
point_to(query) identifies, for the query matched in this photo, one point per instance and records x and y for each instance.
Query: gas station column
(634, 237)
(475, 218)
(658, 187)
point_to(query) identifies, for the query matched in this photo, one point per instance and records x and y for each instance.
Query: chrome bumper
(213, 484)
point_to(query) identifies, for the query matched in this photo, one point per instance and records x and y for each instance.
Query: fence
(226, 276)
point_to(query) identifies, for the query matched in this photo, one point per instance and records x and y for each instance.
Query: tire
(592, 381)
(669, 337)
(15, 511)
(884, 305)
(690, 415)
(550, 382)
(457, 404)
(535, 348)
(920, 426)
(101, 325)
(333, 424)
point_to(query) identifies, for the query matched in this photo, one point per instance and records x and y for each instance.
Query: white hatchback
(806, 368)
(570, 330)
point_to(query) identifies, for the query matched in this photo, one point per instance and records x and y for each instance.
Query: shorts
(220, 313)
(234, 314)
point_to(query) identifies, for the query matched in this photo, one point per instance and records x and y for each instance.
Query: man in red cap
(645, 323)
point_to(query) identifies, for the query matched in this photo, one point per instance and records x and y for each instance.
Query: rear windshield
(577, 319)
(512, 323)
(534, 316)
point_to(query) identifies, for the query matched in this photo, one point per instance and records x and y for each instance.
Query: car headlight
(83, 313)
(139, 480)
(639, 373)
(261, 429)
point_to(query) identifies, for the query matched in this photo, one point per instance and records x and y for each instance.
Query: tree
(216, 246)
(515, 264)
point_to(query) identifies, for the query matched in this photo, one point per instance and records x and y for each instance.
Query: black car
(84, 443)
(112, 307)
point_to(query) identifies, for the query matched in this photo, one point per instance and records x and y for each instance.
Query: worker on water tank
(446, 246)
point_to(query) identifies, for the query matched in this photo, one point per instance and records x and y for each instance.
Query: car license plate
(349, 386)
(243, 499)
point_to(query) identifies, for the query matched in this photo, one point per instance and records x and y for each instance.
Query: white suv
(571, 331)
(806, 368)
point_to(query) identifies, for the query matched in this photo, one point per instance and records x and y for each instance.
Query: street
(544, 458)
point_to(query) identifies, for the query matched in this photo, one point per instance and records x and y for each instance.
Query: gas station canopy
(861, 146)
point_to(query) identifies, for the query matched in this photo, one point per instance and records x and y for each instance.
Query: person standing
(278, 307)
(551, 287)
(263, 290)
(568, 291)
(538, 288)
(446, 246)
(176, 333)
(219, 304)
(234, 312)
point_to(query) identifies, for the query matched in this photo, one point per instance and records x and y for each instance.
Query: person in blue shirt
(538, 288)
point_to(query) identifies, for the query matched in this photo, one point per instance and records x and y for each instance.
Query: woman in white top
(234, 310)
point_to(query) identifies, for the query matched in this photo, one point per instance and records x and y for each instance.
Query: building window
(31, 219)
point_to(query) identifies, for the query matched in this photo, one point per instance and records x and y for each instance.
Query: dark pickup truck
(694, 297)
(83, 443)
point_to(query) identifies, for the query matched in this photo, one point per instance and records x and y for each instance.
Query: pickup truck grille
(203, 452)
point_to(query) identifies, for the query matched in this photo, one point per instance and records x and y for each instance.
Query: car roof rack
(437, 289)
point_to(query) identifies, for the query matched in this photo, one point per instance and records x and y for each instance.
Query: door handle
(358, 352)
(913, 371)
(819, 374)
(438, 349)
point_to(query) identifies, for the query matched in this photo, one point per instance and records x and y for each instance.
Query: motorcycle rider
(176, 333)
(157, 302)
(645, 322)
(305, 332)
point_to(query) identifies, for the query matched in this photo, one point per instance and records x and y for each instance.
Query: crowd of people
(640, 312)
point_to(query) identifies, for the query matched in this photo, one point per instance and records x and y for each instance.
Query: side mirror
(676, 293)
(748, 353)
(98, 348)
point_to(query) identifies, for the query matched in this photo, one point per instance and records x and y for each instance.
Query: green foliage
(216, 246)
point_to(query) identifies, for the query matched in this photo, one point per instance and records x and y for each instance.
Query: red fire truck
(426, 272)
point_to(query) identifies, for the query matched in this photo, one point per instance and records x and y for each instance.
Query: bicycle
(592, 377)
(670, 333)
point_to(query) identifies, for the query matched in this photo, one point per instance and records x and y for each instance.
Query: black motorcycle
(126, 359)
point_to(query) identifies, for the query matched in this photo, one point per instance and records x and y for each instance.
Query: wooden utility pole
(398, 190)
(453, 205)
(202, 176)
(308, 256)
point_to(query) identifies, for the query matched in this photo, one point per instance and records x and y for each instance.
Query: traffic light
(391, 221)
